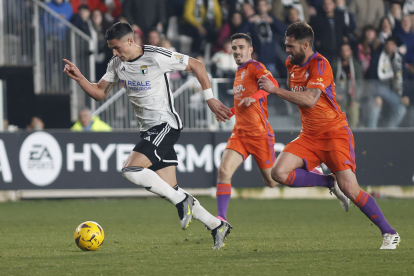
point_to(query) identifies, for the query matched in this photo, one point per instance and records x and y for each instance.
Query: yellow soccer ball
(89, 236)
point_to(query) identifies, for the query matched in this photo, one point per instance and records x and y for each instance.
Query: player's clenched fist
(72, 71)
(266, 85)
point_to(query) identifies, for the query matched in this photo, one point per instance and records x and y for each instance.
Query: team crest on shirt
(144, 70)
(242, 75)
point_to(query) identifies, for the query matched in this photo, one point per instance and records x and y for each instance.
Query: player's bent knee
(349, 188)
(278, 175)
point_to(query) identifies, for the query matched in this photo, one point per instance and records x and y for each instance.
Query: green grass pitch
(143, 237)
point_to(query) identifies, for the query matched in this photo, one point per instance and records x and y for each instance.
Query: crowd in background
(369, 43)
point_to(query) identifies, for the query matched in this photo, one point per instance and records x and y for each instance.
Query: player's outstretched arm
(97, 91)
(221, 111)
(308, 98)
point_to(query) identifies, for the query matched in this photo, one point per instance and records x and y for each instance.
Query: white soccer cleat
(317, 170)
(391, 241)
(345, 202)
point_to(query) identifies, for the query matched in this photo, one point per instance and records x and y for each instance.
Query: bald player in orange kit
(325, 135)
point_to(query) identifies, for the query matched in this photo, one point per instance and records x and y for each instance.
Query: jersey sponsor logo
(298, 88)
(144, 70)
(317, 83)
(136, 85)
(239, 88)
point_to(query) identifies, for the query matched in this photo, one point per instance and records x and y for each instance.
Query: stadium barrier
(63, 164)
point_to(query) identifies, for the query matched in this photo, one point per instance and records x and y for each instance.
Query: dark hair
(118, 31)
(244, 36)
(391, 39)
(83, 7)
(300, 31)
(382, 21)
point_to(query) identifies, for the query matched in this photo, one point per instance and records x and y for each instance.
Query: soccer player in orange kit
(252, 133)
(325, 135)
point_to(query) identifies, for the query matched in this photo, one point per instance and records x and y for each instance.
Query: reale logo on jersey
(40, 158)
(144, 70)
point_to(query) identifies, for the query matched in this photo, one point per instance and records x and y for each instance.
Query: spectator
(145, 15)
(36, 124)
(237, 6)
(53, 27)
(349, 17)
(280, 9)
(367, 12)
(110, 8)
(201, 23)
(138, 37)
(395, 15)
(247, 11)
(369, 44)
(348, 84)
(407, 37)
(166, 43)
(330, 30)
(154, 38)
(385, 71)
(408, 7)
(227, 30)
(292, 16)
(87, 123)
(82, 19)
(102, 53)
(385, 31)
(225, 66)
(266, 31)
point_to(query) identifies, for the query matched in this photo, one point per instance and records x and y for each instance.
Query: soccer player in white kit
(153, 161)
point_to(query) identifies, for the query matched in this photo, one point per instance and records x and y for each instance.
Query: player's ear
(305, 45)
(250, 50)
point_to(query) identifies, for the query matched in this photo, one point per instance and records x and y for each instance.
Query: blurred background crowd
(369, 43)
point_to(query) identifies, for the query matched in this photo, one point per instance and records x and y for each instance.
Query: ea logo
(40, 158)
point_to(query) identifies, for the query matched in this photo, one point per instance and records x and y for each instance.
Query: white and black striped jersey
(147, 85)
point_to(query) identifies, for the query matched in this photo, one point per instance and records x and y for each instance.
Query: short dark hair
(241, 35)
(118, 31)
(300, 31)
(83, 7)
(391, 39)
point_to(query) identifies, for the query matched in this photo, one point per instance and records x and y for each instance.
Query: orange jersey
(250, 120)
(326, 115)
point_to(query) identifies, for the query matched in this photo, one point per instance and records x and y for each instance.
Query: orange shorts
(335, 149)
(262, 148)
